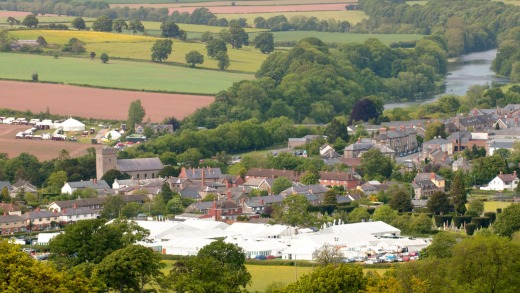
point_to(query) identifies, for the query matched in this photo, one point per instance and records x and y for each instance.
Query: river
(465, 71)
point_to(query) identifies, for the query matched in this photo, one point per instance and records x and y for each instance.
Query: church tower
(106, 159)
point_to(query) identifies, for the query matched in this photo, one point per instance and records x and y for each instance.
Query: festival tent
(71, 124)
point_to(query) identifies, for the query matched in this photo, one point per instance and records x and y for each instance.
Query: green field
(340, 37)
(137, 47)
(492, 206)
(352, 16)
(117, 74)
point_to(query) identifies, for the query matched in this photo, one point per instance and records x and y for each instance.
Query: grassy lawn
(138, 47)
(340, 37)
(492, 206)
(263, 275)
(117, 74)
(352, 16)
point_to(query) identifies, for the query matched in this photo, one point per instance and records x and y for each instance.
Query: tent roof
(71, 122)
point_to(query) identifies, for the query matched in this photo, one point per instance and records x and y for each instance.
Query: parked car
(369, 262)
(271, 257)
(261, 257)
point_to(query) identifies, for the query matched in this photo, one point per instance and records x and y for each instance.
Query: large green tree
(294, 211)
(170, 30)
(223, 60)
(78, 23)
(119, 25)
(136, 114)
(280, 184)
(90, 241)
(194, 57)
(213, 47)
(238, 37)
(401, 201)
(508, 222)
(264, 42)
(30, 21)
(218, 267)
(332, 278)
(102, 24)
(438, 203)
(375, 165)
(458, 193)
(135, 26)
(161, 49)
(130, 269)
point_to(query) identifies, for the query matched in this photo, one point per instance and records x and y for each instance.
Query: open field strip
(260, 9)
(197, 28)
(204, 3)
(492, 206)
(137, 47)
(351, 16)
(340, 37)
(95, 103)
(117, 74)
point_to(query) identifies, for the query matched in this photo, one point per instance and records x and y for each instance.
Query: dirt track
(95, 103)
(42, 149)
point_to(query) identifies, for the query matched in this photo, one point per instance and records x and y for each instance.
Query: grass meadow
(264, 275)
(138, 47)
(117, 74)
(352, 16)
(340, 37)
(492, 206)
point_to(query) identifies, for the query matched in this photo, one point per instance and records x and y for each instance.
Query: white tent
(44, 238)
(113, 135)
(71, 124)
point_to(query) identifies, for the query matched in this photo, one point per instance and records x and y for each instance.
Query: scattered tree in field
(161, 50)
(215, 46)
(194, 57)
(223, 60)
(5, 41)
(30, 21)
(508, 222)
(135, 26)
(206, 36)
(102, 24)
(331, 278)
(218, 267)
(264, 42)
(119, 25)
(475, 207)
(92, 55)
(12, 21)
(131, 268)
(327, 255)
(136, 114)
(170, 30)
(104, 58)
(41, 41)
(239, 37)
(79, 24)
(74, 46)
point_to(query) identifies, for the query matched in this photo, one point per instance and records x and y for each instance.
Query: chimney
(262, 202)
(501, 173)
(229, 195)
(382, 130)
(38, 209)
(5, 213)
(203, 177)
(432, 176)
(392, 128)
(403, 127)
(75, 206)
(514, 173)
(516, 121)
(228, 185)
(95, 181)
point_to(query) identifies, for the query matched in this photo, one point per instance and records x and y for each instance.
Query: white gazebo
(71, 124)
(113, 135)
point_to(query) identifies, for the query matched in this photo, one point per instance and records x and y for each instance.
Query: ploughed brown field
(42, 149)
(96, 103)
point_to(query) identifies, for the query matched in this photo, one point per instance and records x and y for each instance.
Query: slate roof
(190, 192)
(475, 120)
(272, 173)
(436, 141)
(5, 184)
(11, 219)
(507, 178)
(270, 199)
(141, 164)
(305, 189)
(77, 211)
(502, 144)
(360, 146)
(339, 176)
(203, 205)
(462, 136)
(209, 173)
(39, 214)
(99, 184)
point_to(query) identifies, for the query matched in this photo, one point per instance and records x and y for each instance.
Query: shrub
(491, 215)
(438, 220)
(34, 76)
(447, 219)
(458, 221)
(481, 222)
(499, 211)
(470, 229)
(104, 58)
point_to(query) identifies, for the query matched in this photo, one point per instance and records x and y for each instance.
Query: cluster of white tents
(360, 239)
